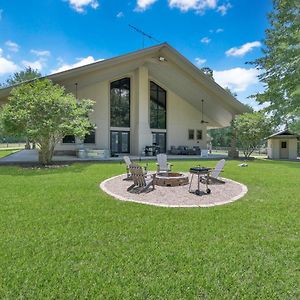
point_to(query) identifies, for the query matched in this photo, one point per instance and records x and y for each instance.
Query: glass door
(120, 141)
(160, 139)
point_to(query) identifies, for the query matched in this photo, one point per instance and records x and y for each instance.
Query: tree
(234, 94)
(208, 71)
(280, 64)
(221, 136)
(22, 76)
(250, 130)
(45, 113)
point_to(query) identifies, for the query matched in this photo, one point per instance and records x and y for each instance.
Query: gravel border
(173, 197)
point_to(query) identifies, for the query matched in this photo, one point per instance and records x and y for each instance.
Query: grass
(63, 238)
(5, 152)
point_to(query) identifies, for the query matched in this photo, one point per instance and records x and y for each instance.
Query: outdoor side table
(200, 172)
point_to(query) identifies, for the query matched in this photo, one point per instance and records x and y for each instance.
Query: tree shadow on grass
(61, 168)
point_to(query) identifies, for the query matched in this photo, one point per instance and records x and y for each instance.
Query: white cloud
(81, 62)
(142, 5)
(198, 5)
(37, 65)
(205, 40)
(237, 79)
(12, 46)
(200, 61)
(219, 30)
(80, 5)
(6, 65)
(242, 50)
(222, 9)
(120, 14)
(40, 52)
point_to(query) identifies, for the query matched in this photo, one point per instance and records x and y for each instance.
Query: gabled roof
(176, 72)
(283, 133)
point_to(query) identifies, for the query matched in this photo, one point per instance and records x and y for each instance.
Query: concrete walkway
(31, 156)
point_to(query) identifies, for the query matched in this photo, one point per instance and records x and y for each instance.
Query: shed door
(284, 149)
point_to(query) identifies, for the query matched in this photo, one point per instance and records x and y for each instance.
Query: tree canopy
(250, 130)
(21, 76)
(208, 71)
(280, 65)
(45, 113)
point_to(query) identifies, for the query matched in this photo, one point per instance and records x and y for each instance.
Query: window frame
(199, 132)
(156, 102)
(191, 134)
(110, 102)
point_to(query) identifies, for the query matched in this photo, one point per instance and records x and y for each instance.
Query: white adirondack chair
(162, 163)
(141, 181)
(215, 173)
(128, 162)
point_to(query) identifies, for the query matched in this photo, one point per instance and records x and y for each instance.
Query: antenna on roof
(144, 34)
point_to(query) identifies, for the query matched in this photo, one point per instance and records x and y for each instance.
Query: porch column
(144, 136)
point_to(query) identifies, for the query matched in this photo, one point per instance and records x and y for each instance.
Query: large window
(90, 138)
(69, 139)
(158, 116)
(120, 103)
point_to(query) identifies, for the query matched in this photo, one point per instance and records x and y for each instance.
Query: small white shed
(283, 145)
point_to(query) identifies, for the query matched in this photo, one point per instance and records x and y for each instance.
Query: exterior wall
(181, 117)
(275, 144)
(293, 148)
(99, 92)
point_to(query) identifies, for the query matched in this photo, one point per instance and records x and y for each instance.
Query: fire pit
(171, 179)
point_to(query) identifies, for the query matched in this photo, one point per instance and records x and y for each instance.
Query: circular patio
(178, 196)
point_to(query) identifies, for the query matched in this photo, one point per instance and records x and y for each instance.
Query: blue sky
(53, 35)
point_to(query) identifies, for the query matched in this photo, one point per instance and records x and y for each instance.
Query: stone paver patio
(176, 196)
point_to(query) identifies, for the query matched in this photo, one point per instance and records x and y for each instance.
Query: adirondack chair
(128, 163)
(162, 163)
(213, 176)
(141, 181)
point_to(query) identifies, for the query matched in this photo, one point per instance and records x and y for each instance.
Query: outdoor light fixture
(162, 59)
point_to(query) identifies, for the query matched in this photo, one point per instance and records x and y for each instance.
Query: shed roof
(284, 133)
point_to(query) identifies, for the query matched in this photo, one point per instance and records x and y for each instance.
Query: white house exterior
(148, 96)
(283, 145)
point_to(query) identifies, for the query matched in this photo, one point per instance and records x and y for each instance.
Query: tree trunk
(46, 152)
(27, 145)
(233, 152)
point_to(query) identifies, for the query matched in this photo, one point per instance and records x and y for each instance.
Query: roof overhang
(175, 71)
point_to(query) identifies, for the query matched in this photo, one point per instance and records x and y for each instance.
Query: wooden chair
(141, 181)
(162, 163)
(213, 176)
(128, 163)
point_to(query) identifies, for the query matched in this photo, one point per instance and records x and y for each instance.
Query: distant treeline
(221, 136)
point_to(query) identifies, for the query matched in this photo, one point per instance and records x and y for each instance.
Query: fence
(12, 145)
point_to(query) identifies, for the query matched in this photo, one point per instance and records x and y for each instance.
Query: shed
(283, 145)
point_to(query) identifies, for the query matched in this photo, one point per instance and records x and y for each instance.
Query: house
(151, 96)
(283, 145)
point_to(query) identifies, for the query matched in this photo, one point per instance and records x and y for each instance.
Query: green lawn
(5, 152)
(63, 238)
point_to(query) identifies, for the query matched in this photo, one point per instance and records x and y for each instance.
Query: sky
(54, 35)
